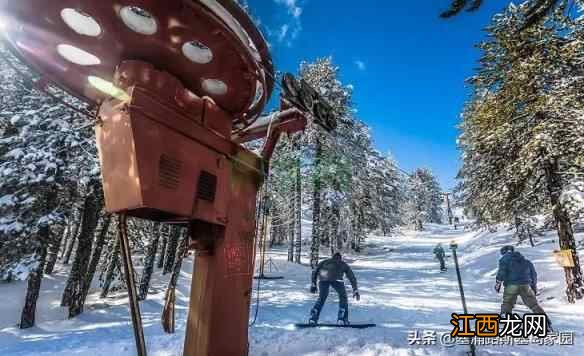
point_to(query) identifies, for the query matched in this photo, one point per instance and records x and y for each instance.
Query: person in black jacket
(519, 277)
(330, 273)
(440, 255)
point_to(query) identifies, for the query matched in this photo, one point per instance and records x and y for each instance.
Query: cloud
(292, 25)
(292, 5)
(360, 65)
(283, 32)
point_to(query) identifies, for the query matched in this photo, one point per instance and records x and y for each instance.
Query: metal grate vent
(207, 186)
(169, 172)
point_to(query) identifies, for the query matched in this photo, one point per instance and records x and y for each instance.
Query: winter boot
(313, 320)
(343, 318)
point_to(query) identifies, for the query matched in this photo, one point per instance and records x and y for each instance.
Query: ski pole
(453, 247)
(130, 283)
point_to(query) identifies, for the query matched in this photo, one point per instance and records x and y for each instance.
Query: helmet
(506, 249)
(337, 256)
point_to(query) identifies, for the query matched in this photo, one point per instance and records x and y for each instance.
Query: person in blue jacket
(517, 274)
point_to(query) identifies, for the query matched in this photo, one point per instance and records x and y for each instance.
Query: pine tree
(77, 284)
(101, 236)
(171, 248)
(323, 76)
(424, 199)
(149, 260)
(111, 266)
(40, 153)
(521, 131)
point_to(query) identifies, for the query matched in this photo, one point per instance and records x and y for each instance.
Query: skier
(440, 254)
(456, 222)
(519, 277)
(330, 273)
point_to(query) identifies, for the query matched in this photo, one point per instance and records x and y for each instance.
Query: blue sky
(407, 65)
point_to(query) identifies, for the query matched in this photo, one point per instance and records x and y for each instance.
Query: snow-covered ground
(401, 290)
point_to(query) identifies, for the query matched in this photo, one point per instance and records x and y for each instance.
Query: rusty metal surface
(151, 171)
(158, 154)
(286, 121)
(36, 28)
(221, 288)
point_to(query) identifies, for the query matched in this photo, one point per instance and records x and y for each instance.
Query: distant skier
(456, 222)
(440, 255)
(519, 277)
(330, 273)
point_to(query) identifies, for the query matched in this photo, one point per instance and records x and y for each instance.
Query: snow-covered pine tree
(171, 248)
(351, 188)
(521, 132)
(389, 187)
(323, 76)
(77, 283)
(424, 199)
(42, 151)
(149, 259)
(282, 185)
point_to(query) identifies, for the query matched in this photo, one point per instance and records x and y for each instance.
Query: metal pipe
(130, 283)
(453, 247)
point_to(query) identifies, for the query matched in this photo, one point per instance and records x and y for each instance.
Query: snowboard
(352, 326)
(268, 277)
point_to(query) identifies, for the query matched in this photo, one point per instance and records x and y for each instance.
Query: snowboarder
(440, 254)
(330, 273)
(519, 277)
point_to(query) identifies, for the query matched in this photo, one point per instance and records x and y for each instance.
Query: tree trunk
(100, 241)
(73, 294)
(35, 277)
(290, 231)
(168, 309)
(336, 243)
(315, 245)
(112, 265)
(359, 232)
(574, 280)
(66, 236)
(76, 221)
(53, 254)
(164, 233)
(298, 214)
(275, 225)
(171, 249)
(180, 254)
(149, 260)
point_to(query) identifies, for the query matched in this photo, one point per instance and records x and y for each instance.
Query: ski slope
(401, 290)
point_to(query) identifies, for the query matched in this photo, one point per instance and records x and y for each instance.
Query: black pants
(442, 264)
(323, 292)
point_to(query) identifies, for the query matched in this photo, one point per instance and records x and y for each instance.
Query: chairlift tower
(177, 87)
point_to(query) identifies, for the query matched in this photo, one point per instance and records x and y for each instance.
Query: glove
(498, 286)
(313, 289)
(356, 295)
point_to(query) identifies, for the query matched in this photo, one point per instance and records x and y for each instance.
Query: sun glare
(108, 88)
